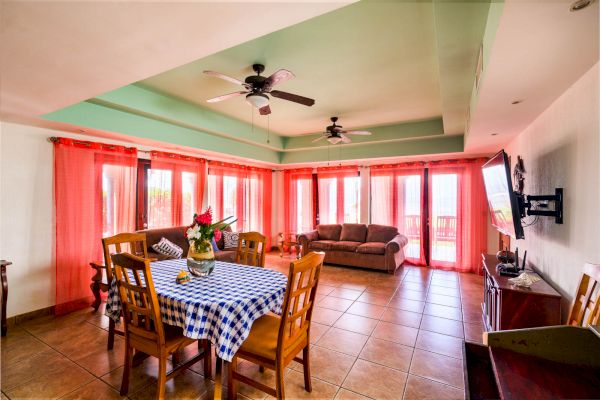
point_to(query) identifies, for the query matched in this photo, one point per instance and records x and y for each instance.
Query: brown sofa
(370, 246)
(176, 235)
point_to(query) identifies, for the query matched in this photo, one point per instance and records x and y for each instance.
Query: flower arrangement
(202, 231)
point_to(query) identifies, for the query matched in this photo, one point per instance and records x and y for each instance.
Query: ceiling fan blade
(345, 139)
(225, 77)
(225, 97)
(266, 110)
(293, 97)
(319, 138)
(279, 76)
(362, 133)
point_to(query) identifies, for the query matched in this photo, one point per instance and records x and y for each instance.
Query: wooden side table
(3, 265)
(290, 240)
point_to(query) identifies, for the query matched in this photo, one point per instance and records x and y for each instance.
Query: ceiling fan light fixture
(257, 100)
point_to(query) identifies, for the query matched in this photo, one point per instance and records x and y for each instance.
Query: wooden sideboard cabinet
(506, 306)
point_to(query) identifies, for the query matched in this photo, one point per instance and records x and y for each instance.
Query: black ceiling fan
(257, 86)
(335, 134)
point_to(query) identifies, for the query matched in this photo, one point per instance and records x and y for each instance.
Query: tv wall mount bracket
(539, 205)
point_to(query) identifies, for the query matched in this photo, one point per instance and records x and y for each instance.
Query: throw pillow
(167, 248)
(214, 245)
(231, 239)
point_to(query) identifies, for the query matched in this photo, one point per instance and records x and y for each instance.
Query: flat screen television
(502, 200)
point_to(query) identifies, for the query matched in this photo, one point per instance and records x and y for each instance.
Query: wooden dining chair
(251, 249)
(585, 309)
(275, 341)
(133, 243)
(144, 329)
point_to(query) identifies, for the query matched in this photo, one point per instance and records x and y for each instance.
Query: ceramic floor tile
(435, 281)
(343, 341)
(20, 372)
(317, 330)
(335, 303)
(96, 390)
(444, 300)
(343, 293)
(443, 311)
(366, 310)
(294, 388)
(345, 394)
(418, 287)
(474, 332)
(375, 381)
(252, 371)
(390, 354)
(325, 316)
(402, 317)
(396, 333)
(410, 294)
(444, 369)
(54, 384)
(20, 348)
(328, 365)
(438, 343)
(418, 388)
(372, 298)
(186, 385)
(444, 291)
(356, 323)
(442, 325)
(407, 304)
(381, 290)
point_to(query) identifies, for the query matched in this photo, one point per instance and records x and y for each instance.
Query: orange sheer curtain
(331, 186)
(397, 198)
(298, 198)
(458, 214)
(243, 192)
(94, 189)
(175, 190)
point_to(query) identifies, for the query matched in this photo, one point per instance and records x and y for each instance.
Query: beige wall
(561, 149)
(26, 222)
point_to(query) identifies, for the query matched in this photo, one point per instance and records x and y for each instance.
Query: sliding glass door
(443, 218)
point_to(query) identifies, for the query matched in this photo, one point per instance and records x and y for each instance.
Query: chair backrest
(133, 243)
(299, 300)
(251, 249)
(585, 309)
(140, 308)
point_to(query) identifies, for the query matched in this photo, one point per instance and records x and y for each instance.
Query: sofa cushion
(354, 233)
(372, 248)
(167, 248)
(174, 234)
(329, 232)
(345, 246)
(381, 233)
(321, 244)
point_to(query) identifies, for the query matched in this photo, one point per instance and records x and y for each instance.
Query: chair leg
(126, 368)
(176, 358)
(231, 383)
(111, 334)
(162, 376)
(306, 367)
(279, 384)
(261, 369)
(206, 348)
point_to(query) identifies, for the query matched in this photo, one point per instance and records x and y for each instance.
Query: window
(339, 195)
(160, 205)
(298, 194)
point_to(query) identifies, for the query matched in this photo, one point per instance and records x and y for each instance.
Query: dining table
(220, 307)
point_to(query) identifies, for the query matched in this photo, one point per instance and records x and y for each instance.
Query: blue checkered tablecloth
(220, 307)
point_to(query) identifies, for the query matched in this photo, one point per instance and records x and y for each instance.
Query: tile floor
(374, 336)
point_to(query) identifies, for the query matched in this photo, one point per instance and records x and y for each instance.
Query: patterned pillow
(168, 248)
(231, 239)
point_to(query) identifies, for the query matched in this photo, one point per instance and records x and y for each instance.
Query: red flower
(206, 218)
(218, 234)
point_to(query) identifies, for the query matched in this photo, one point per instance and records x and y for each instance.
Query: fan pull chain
(340, 154)
(252, 118)
(268, 128)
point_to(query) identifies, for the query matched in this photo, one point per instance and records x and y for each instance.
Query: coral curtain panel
(398, 198)
(298, 198)
(175, 189)
(458, 214)
(339, 195)
(243, 192)
(94, 189)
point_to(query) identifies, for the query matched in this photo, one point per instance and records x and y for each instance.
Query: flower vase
(201, 259)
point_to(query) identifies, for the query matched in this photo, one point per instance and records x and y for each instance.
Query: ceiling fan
(335, 134)
(256, 88)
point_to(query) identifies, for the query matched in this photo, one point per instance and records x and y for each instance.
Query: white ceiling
(54, 54)
(540, 50)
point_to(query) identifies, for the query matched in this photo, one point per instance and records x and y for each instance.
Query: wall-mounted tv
(503, 201)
